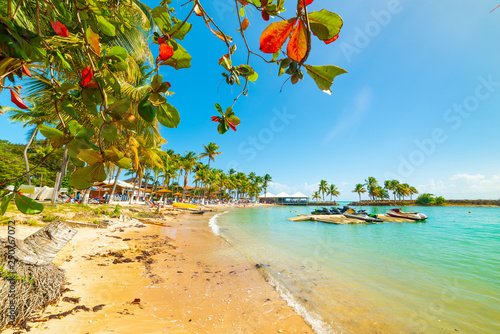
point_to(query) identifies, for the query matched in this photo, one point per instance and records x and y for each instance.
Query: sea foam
(213, 223)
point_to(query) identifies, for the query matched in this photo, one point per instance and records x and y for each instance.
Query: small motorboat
(397, 213)
(363, 216)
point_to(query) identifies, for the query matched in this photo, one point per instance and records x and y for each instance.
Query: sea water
(437, 276)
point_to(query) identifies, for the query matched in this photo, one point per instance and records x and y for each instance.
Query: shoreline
(179, 277)
(449, 203)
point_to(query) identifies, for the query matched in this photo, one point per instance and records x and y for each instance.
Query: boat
(322, 211)
(185, 206)
(397, 213)
(363, 216)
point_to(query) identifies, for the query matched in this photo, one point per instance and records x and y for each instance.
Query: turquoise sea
(437, 276)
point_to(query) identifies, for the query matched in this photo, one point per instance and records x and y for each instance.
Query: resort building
(285, 199)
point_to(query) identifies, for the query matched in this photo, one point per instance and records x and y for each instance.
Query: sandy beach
(176, 278)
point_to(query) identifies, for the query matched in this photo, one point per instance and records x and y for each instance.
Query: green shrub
(425, 199)
(439, 200)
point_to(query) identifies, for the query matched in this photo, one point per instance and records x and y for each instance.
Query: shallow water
(438, 276)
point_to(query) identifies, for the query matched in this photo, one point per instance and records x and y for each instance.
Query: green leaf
(235, 120)
(85, 177)
(110, 133)
(168, 116)
(325, 24)
(85, 133)
(124, 163)
(182, 29)
(157, 99)
(27, 205)
(77, 162)
(161, 16)
(112, 82)
(222, 128)
(121, 66)
(146, 109)
(324, 75)
(121, 105)
(156, 81)
(105, 26)
(74, 127)
(113, 154)
(5, 204)
(69, 109)
(219, 109)
(66, 87)
(50, 133)
(90, 156)
(117, 53)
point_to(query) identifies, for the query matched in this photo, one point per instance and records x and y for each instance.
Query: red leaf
(244, 24)
(332, 40)
(16, 99)
(275, 35)
(231, 125)
(166, 51)
(265, 16)
(87, 76)
(161, 40)
(92, 84)
(59, 28)
(215, 118)
(308, 2)
(26, 71)
(297, 46)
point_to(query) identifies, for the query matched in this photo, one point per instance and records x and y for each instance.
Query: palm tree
(211, 151)
(333, 192)
(370, 184)
(266, 179)
(323, 188)
(316, 196)
(413, 191)
(188, 161)
(359, 189)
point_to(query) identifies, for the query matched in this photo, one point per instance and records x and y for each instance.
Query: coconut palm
(188, 162)
(359, 189)
(266, 179)
(413, 191)
(211, 151)
(323, 188)
(333, 192)
(370, 184)
(316, 196)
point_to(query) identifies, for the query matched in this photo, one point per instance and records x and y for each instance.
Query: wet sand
(179, 278)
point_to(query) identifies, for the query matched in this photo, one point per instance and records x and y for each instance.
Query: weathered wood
(41, 247)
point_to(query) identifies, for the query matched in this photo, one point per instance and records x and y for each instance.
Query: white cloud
(432, 187)
(467, 177)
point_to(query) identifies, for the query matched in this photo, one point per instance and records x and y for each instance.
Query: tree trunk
(57, 185)
(41, 247)
(133, 189)
(185, 184)
(85, 197)
(139, 188)
(25, 153)
(114, 185)
(206, 177)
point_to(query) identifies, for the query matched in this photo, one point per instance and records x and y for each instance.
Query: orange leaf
(297, 46)
(16, 99)
(166, 51)
(25, 70)
(59, 28)
(332, 40)
(93, 40)
(275, 35)
(244, 24)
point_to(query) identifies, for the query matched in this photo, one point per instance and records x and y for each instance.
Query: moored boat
(397, 213)
(363, 216)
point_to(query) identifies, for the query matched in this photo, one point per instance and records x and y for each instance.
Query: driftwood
(32, 280)
(41, 247)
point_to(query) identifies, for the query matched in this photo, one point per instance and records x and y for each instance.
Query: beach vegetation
(91, 86)
(359, 189)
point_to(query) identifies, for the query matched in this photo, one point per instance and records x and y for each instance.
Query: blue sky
(420, 101)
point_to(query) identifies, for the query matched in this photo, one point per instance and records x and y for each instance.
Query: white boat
(363, 216)
(397, 213)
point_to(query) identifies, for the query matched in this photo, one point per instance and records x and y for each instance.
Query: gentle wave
(213, 223)
(314, 320)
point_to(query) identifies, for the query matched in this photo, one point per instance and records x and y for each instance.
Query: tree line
(376, 192)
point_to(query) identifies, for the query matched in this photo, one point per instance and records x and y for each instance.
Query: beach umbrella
(178, 194)
(164, 191)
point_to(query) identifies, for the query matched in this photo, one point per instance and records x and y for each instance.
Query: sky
(419, 103)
